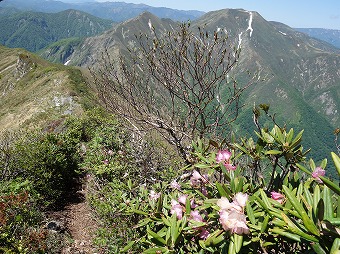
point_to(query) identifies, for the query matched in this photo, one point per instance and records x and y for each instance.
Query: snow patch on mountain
(250, 28)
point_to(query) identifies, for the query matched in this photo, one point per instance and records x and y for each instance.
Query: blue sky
(295, 13)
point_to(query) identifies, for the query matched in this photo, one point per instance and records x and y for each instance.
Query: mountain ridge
(35, 92)
(116, 11)
(34, 30)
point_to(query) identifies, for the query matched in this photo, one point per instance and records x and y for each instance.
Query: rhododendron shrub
(215, 206)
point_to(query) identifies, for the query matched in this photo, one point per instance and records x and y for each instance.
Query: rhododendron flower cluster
(175, 185)
(154, 195)
(197, 179)
(179, 206)
(224, 157)
(277, 196)
(196, 216)
(317, 173)
(232, 217)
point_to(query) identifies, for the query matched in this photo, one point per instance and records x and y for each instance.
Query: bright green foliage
(293, 210)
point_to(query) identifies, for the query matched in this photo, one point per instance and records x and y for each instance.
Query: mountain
(116, 11)
(35, 30)
(300, 74)
(87, 52)
(34, 92)
(331, 36)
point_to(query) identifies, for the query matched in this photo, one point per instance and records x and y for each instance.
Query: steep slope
(88, 52)
(291, 61)
(116, 11)
(33, 91)
(34, 30)
(302, 74)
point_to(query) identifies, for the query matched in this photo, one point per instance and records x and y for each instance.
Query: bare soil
(77, 221)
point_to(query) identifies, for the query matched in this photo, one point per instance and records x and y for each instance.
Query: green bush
(19, 216)
(219, 207)
(49, 161)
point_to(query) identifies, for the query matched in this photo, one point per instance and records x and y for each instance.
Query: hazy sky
(295, 13)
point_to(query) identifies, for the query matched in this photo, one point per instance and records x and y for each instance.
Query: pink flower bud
(318, 172)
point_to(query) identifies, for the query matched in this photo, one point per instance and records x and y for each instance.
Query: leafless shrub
(179, 83)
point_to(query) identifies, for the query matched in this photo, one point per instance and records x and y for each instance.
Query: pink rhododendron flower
(224, 204)
(224, 156)
(318, 172)
(196, 179)
(182, 199)
(153, 195)
(277, 196)
(240, 199)
(193, 205)
(176, 208)
(232, 216)
(195, 215)
(234, 221)
(204, 191)
(175, 185)
(204, 233)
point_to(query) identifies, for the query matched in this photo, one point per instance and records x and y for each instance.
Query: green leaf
(331, 185)
(308, 223)
(323, 163)
(128, 246)
(264, 224)
(297, 139)
(215, 238)
(336, 161)
(327, 199)
(286, 234)
(335, 246)
(166, 221)
(296, 229)
(222, 190)
(238, 240)
(231, 249)
(160, 203)
(316, 198)
(140, 212)
(244, 150)
(308, 195)
(312, 164)
(334, 221)
(289, 136)
(202, 165)
(250, 213)
(318, 249)
(156, 250)
(274, 152)
(158, 240)
(303, 169)
(143, 222)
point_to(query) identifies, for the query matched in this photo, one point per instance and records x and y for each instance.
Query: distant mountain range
(35, 30)
(329, 35)
(115, 11)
